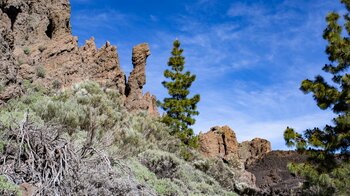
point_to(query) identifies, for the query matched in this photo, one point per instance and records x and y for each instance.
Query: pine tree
(179, 108)
(329, 148)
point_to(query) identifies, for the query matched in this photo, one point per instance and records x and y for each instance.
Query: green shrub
(26, 51)
(144, 175)
(7, 188)
(96, 118)
(56, 84)
(20, 62)
(41, 72)
(163, 164)
(2, 87)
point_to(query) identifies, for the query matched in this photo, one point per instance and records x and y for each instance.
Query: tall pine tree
(179, 108)
(329, 148)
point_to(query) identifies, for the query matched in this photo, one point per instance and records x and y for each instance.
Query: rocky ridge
(37, 45)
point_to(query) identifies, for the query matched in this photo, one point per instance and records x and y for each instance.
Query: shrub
(56, 84)
(2, 87)
(26, 51)
(7, 188)
(161, 186)
(163, 164)
(189, 180)
(97, 128)
(41, 72)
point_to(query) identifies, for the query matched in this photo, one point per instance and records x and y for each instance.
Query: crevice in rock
(12, 12)
(224, 143)
(50, 29)
(127, 89)
(68, 24)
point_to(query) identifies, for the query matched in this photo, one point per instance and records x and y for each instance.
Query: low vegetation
(83, 140)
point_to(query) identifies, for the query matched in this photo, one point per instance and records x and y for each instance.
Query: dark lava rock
(273, 176)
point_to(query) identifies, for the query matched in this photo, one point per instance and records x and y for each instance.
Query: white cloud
(245, 10)
(248, 66)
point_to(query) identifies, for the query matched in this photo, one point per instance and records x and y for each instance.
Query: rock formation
(136, 81)
(251, 151)
(254, 161)
(36, 44)
(221, 142)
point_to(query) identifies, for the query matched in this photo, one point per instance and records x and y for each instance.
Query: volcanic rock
(220, 142)
(251, 151)
(137, 79)
(273, 176)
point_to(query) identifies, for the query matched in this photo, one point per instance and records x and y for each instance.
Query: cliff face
(37, 45)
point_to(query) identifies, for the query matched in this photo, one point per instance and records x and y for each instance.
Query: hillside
(71, 123)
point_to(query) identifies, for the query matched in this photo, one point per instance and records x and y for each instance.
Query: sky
(249, 56)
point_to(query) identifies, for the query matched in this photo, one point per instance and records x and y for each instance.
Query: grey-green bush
(117, 152)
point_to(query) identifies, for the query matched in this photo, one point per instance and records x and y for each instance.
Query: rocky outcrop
(251, 151)
(137, 79)
(8, 70)
(254, 161)
(221, 142)
(37, 45)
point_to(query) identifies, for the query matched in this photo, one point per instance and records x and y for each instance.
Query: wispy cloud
(249, 58)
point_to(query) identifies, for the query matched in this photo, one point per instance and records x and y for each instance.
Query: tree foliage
(179, 108)
(329, 148)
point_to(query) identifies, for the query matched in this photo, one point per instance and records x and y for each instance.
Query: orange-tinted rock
(135, 100)
(37, 34)
(27, 189)
(219, 142)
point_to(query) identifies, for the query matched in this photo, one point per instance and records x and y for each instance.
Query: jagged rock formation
(37, 45)
(136, 81)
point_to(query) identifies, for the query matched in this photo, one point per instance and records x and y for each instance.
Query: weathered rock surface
(251, 151)
(253, 161)
(221, 142)
(273, 176)
(36, 44)
(137, 79)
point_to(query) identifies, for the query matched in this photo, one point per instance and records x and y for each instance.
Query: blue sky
(249, 56)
